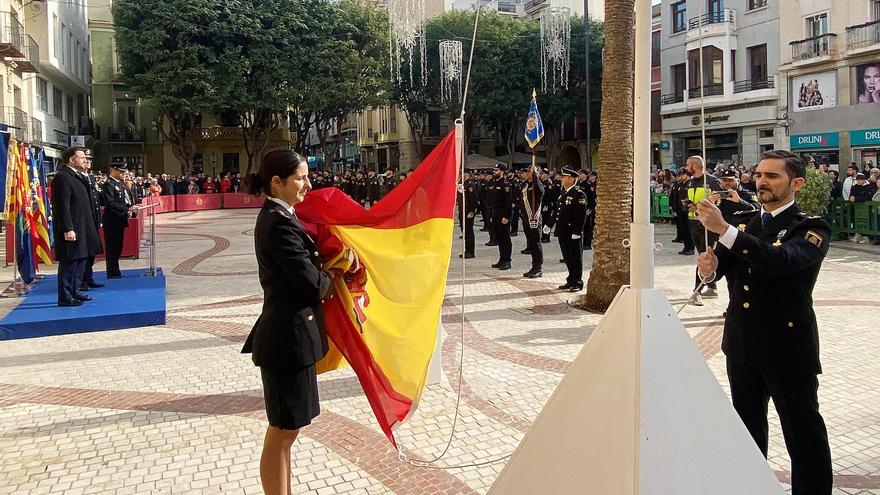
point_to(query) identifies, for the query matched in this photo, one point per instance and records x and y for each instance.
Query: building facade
(735, 80)
(60, 92)
(830, 68)
(20, 55)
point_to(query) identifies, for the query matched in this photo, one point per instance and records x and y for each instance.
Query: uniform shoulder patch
(813, 238)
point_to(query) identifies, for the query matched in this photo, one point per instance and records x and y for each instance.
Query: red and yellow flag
(384, 317)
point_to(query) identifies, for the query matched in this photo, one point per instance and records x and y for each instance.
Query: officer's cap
(122, 167)
(569, 172)
(860, 176)
(545, 171)
(500, 166)
(729, 174)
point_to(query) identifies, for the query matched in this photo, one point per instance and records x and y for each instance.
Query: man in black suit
(75, 233)
(500, 199)
(88, 280)
(571, 214)
(116, 213)
(771, 259)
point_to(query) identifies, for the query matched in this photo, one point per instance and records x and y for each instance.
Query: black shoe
(85, 288)
(514, 234)
(687, 252)
(110, 277)
(64, 304)
(576, 288)
(525, 251)
(459, 237)
(496, 265)
(504, 266)
(533, 274)
(467, 255)
(562, 260)
(83, 297)
(588, 248)
(96, 285)
(491, 243)
(564, 287)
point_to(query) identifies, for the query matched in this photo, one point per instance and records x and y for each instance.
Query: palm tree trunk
(614, 191)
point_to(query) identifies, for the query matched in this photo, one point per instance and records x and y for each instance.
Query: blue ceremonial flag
(534, 126)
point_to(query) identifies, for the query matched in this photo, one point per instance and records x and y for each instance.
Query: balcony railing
(31, 60)
(863, 35)
(753, 84)
(708, 90)
(816, 46)
(725, 16)
(36, 131)
(17, 118)
(533, 4)
(672, 98)
(11, 36)
(129, 135)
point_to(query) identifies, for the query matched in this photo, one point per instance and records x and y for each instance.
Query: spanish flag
(384, 317)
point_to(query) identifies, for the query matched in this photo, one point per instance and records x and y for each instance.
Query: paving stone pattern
(177, 408)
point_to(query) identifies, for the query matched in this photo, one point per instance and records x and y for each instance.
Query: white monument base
(639, 412)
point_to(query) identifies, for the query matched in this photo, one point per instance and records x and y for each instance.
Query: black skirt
(291, 397)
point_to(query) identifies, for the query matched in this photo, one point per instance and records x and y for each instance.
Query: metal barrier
(660, 206)
(847, 217)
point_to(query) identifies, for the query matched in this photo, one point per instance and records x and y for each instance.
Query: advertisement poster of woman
(868, 80)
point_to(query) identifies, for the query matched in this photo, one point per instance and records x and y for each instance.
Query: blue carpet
(130, 302)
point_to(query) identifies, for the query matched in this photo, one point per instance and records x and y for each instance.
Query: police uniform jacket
(530, 198)
(470, 193)
(500, 197)
(771, 272)
(115, 207)
(73, 210)
(571, 213)
(289, 333)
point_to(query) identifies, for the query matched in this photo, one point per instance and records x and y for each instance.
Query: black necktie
(765, 219)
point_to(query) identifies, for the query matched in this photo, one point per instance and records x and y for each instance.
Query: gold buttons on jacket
(311, 317)
(745, 251)
(746, 305)
(791, 324)
(316, 253)
(746, 288)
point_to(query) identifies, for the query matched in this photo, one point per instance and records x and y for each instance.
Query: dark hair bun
(252, 184)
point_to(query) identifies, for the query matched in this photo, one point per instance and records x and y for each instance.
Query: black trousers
(70, 273)
(683, 230)
(113, 236)
(589, 225)
(698, 235)
(88, 274)
(795, 397)
(548, 219)
(491, 224)
(533, 244)
(469, 235)
(502, 237)
(514, 221)
(573, 254)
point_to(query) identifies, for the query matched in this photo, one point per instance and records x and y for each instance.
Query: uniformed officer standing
(116, 212)
(500, 198)
(696, 186)
(733, 199)
(772, 259)
(530, 200)
(468, 204)
(570, 218)
(548, 205)
(514, 217)
(88, 280)
(372, 188)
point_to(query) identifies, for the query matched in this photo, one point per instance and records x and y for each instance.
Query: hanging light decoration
(407, 18)
(555, 48)
(450, 71)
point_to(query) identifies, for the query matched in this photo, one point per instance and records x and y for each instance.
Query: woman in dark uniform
(287, 339)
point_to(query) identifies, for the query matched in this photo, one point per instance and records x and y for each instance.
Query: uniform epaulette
(806, 215)
(745, 212)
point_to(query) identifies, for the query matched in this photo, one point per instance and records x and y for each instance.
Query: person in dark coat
(88, 281)
(288, 337)
(468, 204)
(571, 214)
(772, 258)
(530, 198)
(116, 213)
(74, 230)
(548, 205)
(500, 199)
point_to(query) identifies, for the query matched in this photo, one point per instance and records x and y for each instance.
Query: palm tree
(614, 191)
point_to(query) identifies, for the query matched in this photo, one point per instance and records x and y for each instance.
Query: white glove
(575, 237)
(546, 230)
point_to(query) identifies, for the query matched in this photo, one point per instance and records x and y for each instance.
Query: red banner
(242, 200)
(164, 204)
(193, 202)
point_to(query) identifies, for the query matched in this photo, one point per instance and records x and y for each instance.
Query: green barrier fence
(660, 206)
(847, 217)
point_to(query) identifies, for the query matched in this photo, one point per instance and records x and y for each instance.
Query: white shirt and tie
(729, 237)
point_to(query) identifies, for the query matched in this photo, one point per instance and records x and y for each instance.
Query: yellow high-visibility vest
(696, 194)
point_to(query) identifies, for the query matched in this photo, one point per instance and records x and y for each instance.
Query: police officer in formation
(530, 199)
(548, 206)
(88, 281)
(587, 183)
(468, 205)
(570, 219)
(500, 202)
(116, 212)
(771, 257)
